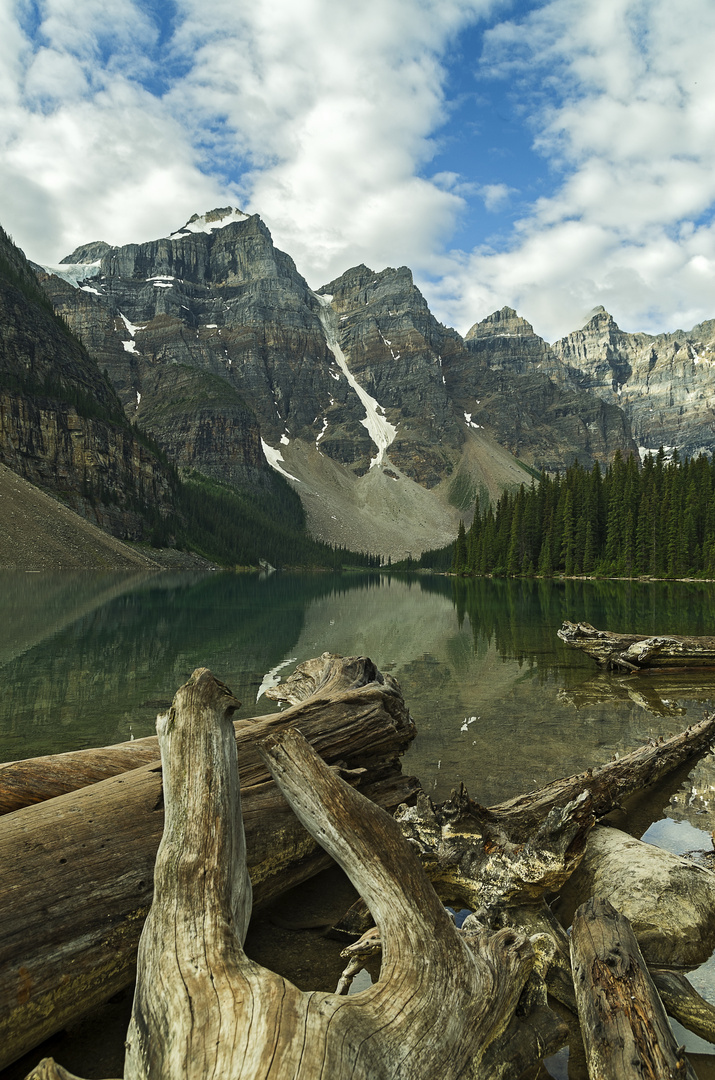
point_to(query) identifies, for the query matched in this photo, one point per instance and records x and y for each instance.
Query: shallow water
(500, 702)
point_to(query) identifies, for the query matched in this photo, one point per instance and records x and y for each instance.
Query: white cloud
(322, 117)
(333, 107)
(620, 98)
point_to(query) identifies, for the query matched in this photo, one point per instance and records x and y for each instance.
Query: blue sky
(549, 155)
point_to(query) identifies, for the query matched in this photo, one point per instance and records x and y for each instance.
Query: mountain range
(386, 423)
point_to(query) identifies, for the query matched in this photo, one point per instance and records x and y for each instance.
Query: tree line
(656, 520)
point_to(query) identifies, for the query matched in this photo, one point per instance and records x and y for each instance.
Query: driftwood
(684, 1003)
(624, 1026)
(489, 859)
(633, 652)
(77, 877)
(202, 1008)
(325, 683)
(499, 861)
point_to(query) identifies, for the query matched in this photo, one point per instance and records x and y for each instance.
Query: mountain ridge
(217, 345)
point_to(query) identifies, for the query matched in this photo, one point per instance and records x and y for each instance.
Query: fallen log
(202, 1008)
(624, 1026)
(324, 683)
(669, 901)
(633, 652)
(493, 858)
(78, 869)
(684, 1003)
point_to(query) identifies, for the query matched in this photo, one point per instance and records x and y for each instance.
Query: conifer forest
(657, 520)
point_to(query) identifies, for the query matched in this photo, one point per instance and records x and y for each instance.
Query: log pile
(476, 1001)
(78, 868)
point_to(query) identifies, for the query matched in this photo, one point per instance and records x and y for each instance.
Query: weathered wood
(512, 853)
(669, 901)
(77, 870)
(684, 1003)
(202, 1008)
(48, 1069)
(631, 652)
(326, 683)
(624, 1026)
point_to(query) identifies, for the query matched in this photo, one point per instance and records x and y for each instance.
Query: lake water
(499, 701)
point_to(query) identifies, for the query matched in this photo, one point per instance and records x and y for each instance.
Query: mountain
(386, 422)
(665, 384)
(545, 422)
(61, 425)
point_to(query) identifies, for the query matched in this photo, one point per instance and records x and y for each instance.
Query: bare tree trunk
(77, 871)
(494, 858)
(625, 1030)
(437, 1005)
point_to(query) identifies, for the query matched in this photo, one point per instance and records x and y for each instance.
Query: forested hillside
(658, 520)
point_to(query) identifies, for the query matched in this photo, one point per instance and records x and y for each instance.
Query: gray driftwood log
(492, 858)
(77, 870)
(202, 1008)
(624, 1026)
(324, 683)
(634, 652)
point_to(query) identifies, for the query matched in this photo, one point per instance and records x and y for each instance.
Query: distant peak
(598, 317)
(505, 321)
(208, 222)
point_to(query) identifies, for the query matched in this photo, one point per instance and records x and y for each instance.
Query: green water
(500, 703)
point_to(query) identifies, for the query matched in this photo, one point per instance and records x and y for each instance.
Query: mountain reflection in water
(499, 701)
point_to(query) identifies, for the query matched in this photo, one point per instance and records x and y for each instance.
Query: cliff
(61, 425)
(665, 384)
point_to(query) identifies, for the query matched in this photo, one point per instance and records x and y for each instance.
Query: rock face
(61, 425)
(396, 350)
(665, 384)
(213, 340)
(509, 387)
(217, 346)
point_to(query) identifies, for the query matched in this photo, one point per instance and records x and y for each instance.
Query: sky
(551, 156)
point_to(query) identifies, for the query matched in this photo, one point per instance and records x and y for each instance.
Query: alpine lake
(500, 703)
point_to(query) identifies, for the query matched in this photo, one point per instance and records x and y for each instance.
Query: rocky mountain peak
(87, 253)
(505, 322)
(599, 319)
(210, 221)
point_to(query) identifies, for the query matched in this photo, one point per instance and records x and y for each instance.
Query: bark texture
(624, 1026)
(77, 878)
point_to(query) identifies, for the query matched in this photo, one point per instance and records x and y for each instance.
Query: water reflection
(500, 702)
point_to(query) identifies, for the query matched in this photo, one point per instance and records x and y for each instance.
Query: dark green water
(500, 703)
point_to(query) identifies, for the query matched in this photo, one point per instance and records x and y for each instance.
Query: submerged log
(324, 683)
(77, 870)
(633, 652)
(624, 1026)
(202, 1008)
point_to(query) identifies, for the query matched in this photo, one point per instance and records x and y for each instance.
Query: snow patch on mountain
(208, 223)
(380, 430)
(74, 273)
(273, 457)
